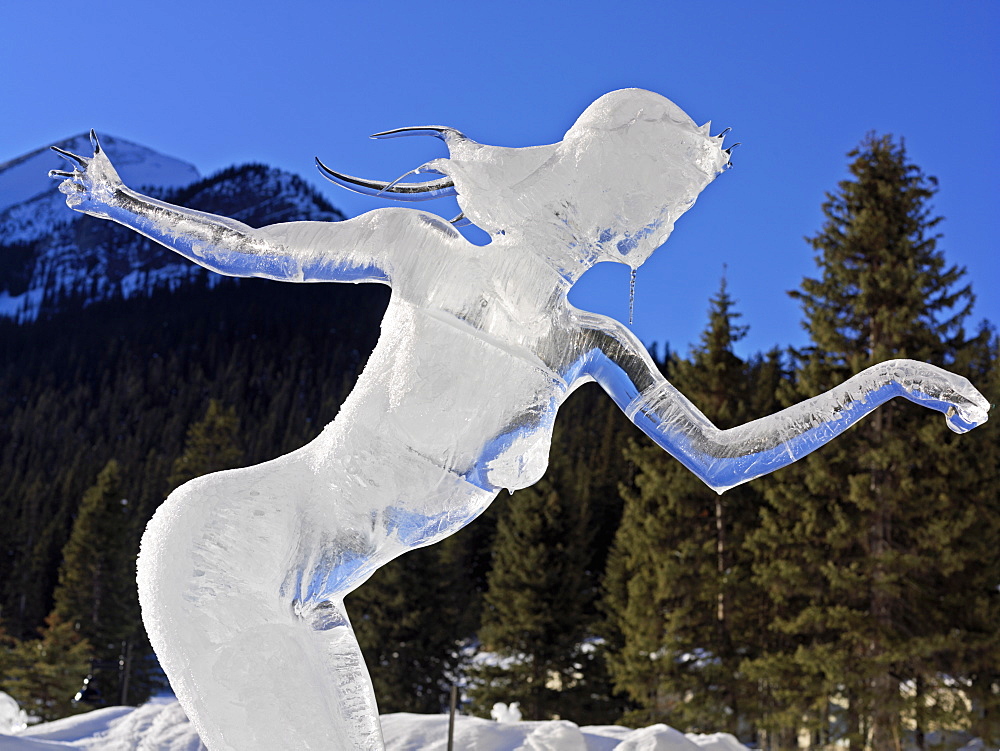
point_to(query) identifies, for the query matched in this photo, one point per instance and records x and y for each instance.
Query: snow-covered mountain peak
(26, 177)
(50, 254)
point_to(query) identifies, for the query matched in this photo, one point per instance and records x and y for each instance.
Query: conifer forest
(852, 598)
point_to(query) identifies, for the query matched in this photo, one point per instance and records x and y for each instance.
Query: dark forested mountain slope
(113, 346)
(124, 379)
(69, 255)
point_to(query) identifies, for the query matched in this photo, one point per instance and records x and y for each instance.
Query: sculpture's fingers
(60, 174)
(974, 413)
(75, 158)
(71, 187)
(958, 423)
(965, 414)
(94, 142)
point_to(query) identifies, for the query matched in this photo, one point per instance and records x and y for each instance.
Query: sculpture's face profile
(606, 192)
(610, 190)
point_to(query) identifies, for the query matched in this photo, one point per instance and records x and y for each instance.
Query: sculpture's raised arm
(725, 458)
(297, 251)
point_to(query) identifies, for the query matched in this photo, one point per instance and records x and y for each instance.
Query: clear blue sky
(800, 83)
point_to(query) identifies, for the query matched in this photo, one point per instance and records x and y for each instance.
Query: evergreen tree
(678, 589)
(65, 411)
(534, 618)
(96, 595)
(971, 602)
(412, 621)
(46, 673)
(863, 538)
(7, 644)
(212, 445)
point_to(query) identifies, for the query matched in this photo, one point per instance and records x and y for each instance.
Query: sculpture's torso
(466, 376)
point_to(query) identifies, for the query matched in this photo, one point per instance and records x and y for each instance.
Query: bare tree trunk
(884, 687)
(722, 628)
(918, 710)
(885, 720)
(856, 740)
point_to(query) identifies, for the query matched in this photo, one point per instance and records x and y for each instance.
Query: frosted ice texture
(243, 573)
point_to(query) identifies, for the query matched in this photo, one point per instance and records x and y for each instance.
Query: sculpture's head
(610, 190)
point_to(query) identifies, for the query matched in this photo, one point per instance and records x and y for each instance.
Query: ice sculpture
(243, 573)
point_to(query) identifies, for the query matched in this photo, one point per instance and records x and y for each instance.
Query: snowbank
(161, 725)
(13, 719)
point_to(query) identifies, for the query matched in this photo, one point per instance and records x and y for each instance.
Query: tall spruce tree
(212, 444)
(412, 621)
(45, 674)
(678, 589)
(96, 594)
(862, 539)
(7, 645)
(971, 604)
(534, 617)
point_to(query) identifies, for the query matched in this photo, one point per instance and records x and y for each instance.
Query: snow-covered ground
(161, 725)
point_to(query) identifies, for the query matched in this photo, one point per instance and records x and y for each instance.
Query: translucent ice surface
(243, 573)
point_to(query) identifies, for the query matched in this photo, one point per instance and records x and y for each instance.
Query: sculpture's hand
(962, 404)
(962, 420)
(92, 184)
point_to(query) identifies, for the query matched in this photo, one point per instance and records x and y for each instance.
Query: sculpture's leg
(252, 668)
(338, 656)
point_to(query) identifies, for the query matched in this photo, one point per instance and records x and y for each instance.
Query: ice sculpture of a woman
(243, 573)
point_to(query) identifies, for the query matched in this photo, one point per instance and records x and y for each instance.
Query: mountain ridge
(25, 177)
(49, 253)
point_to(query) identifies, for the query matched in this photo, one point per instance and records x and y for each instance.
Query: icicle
(631, 295)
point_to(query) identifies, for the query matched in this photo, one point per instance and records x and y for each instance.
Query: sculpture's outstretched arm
(297, 251)
(725, 458)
